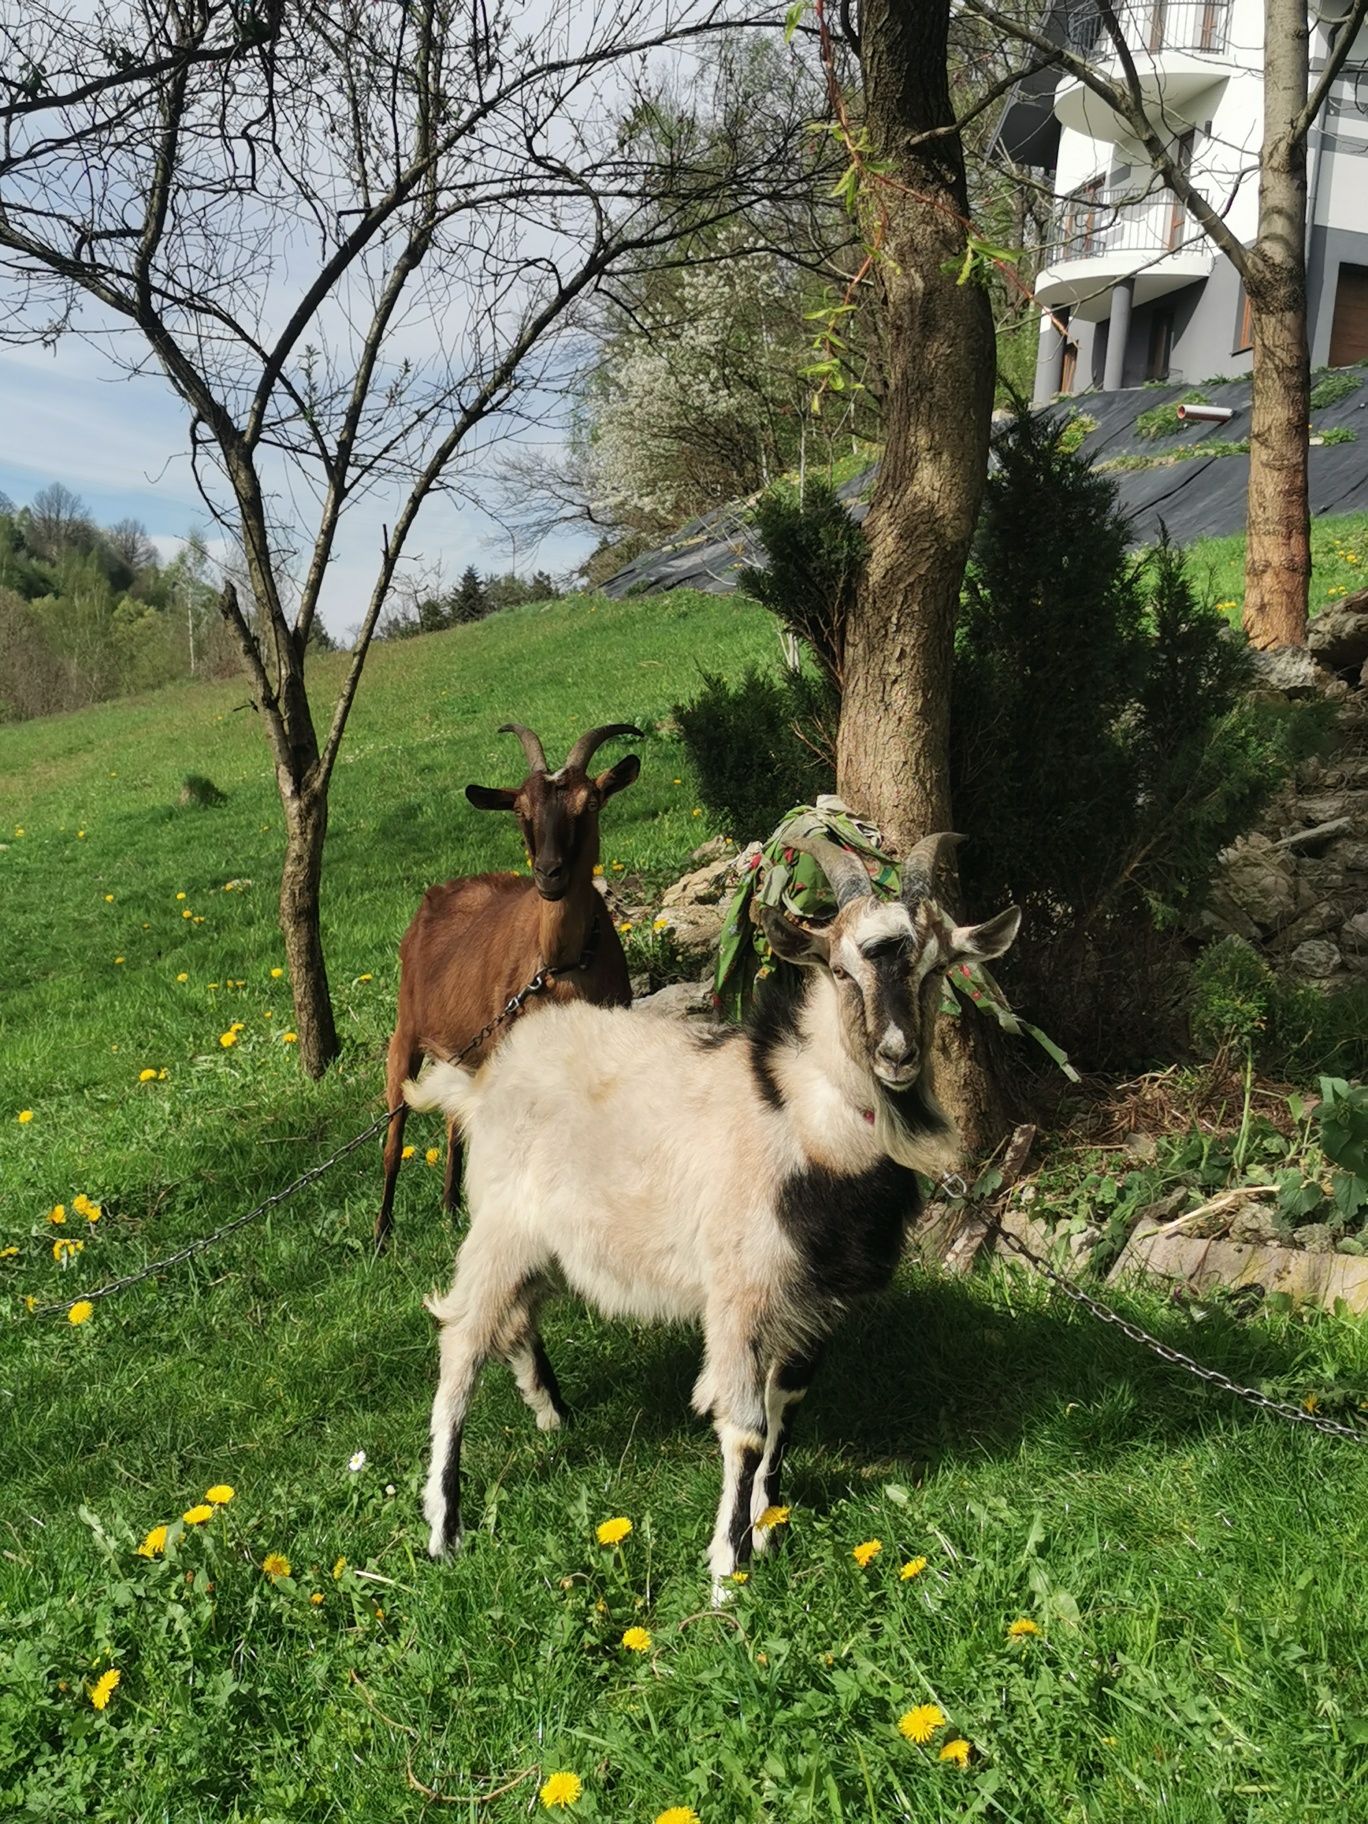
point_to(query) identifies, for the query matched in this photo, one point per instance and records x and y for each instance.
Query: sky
(121, 444)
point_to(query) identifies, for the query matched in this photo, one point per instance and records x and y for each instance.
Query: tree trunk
(306, 826)
(1278, 549)
(893, 761)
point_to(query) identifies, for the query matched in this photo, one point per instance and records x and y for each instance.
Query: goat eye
(838, 974)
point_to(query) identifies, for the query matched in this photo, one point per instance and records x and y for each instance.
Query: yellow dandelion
(432, 1155)
(1311, 1403)
(8, 1253)
(30, 1302)
(147, 1076)
(276, 1564)
(118, 959)
(180, 896)
(64, 1250)
(289, 1038)
(679, 1814)
(956, 1751)
(921, 1723)
(183, 976)
(80, 1203)
(80, 835)
(93, 1211)
(408, 1152)
(316, 1598)
(276, 974)
(57, 1213)
(198, 1514)
(740, 1576)
(613, 1532)
(661, 924)
(637, 1640)
(103, 1688)
(365, 978)
(338, 1568)
(25, 1116)
(559, 1790)
(775, 1516)
(154, 1543)
(598, 870)
(109, 899)
(81, 1311)
(187, 913)
(220, 1494)
(228, 1038)
(1024, 1626)
(913, 1568)
(676, 782)
(868, 1549)
(625, 926)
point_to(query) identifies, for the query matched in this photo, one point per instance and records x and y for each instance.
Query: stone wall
(1297, 887)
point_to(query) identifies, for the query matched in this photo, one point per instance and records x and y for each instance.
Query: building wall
(1330, 248)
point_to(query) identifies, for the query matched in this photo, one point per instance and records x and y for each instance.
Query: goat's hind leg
(785, 1386)
(531, 1369)
(486, 1304)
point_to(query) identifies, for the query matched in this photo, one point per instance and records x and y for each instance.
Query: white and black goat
(755, 1180)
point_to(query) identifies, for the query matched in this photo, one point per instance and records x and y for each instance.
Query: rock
(1354, 933)
(1289, 670)
(1316, 958)
(1338, 636)
(1350, 805)
(1256, 881)
(695, 929)
(1353, 857)
(680, 1000)
(1317, 838)
(705, 886)
(1316, 1238)
(1255, 1228)
(713, 849)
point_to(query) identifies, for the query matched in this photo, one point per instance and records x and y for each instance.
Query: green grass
(1339, 563)
(1198, 1573)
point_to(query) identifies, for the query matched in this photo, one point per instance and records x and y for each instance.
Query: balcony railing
(1148, 25)
(1095, 222)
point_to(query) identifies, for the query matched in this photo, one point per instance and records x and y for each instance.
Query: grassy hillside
(1339, 563)
(1196, 1573)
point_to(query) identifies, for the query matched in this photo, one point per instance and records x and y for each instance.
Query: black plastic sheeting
(1201, 497)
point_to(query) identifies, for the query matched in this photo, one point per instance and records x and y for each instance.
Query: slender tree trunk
(306, 826)
(893, 755)
(1278, 550)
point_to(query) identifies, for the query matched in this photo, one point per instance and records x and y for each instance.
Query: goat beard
(914, 1130)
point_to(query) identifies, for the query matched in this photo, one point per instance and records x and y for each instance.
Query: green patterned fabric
(780, 875)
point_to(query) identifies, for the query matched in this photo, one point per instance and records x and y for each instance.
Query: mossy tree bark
(893, 762)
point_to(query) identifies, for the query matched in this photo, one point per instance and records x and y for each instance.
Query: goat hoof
(440, 1546)
(723, 1592)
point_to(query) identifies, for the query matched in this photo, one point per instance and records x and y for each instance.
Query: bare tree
(1273, 270)
(57, 519)
(349, 234)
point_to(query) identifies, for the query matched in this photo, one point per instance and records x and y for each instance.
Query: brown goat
(475, 943)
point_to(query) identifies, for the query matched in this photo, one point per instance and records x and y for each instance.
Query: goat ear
(617, 776)
(792, 942)
(491, 797)
(981, 943)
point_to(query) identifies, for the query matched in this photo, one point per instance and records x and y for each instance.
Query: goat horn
(919, 867)
(531, 745)
(584, 749)
(845, 872)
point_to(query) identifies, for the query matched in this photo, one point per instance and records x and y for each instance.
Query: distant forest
(89, 612)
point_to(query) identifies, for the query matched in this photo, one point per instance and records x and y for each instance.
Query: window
(1160, 345)
(1349, 329)
(1244, 325)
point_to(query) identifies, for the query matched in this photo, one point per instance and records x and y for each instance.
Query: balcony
(1100, 236)
(1180, 51)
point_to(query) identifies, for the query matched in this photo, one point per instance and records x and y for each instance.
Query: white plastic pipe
(1208, 414)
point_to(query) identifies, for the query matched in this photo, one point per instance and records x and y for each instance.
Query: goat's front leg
(735, 1379)
(786, 1385)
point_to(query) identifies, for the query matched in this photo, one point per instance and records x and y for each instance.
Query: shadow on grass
(941, 1370)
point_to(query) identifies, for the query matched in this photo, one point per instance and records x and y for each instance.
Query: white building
(1142, 293)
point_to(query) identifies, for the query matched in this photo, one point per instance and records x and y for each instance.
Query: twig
(465, 1798)
(374, 1708)
(1216, 1205)
(714, 1615)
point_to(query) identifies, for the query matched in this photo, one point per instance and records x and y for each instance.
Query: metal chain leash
(1284, 1409)
(543, 979)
